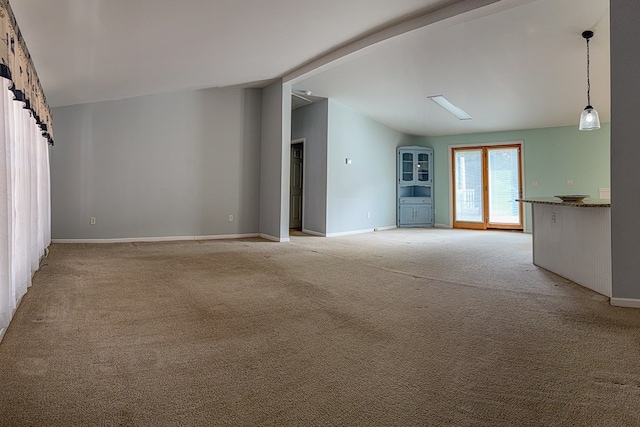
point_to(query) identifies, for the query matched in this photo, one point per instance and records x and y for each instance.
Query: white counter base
(576, 246)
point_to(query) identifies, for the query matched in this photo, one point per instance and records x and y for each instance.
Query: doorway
(296, 185)
(486, 182)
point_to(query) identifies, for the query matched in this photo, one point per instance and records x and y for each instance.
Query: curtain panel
(16, 65)
(25, 137)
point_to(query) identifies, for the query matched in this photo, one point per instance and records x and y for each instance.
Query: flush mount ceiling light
(298, 94)
(444, 103)
(589, 119)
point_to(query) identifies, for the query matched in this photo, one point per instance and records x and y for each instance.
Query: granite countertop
(586, 203)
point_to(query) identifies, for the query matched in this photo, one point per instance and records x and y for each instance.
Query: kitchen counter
(586, 203)
(572, 241)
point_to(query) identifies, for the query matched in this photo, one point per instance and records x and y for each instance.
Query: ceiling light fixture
(444, 103)
(589, 119)
(301, 97)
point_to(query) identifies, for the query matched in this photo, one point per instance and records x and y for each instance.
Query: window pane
(503, 186)
(468, 185)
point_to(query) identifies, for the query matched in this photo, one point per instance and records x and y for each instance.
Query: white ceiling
(93, 50)
(518, 68)
(513, 65)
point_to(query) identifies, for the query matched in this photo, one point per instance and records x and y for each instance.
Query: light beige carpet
(396, 328)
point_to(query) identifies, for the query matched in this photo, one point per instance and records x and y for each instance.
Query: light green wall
(551, 157)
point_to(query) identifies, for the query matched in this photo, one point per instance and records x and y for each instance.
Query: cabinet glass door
(406, 167)
(422, 167)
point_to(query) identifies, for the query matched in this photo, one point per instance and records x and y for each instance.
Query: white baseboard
(313, 233)
(226, 236)
(13, 312)
(275, 239)
(441, 226)
(625, 302)
(347, 233)
(156, 239)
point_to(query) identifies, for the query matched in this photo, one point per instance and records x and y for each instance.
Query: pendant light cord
(588, 77)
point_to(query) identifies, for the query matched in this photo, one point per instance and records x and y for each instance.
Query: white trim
(388, 227)
(347, 233)
(436, 225)
(156, 239)
(313, 233)
(275, 239)
(3, 331)
(625, 302)
(225, 236)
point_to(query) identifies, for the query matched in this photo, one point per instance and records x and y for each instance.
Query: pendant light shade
(589, 119)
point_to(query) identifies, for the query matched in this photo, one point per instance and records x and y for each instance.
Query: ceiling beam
(428, 17)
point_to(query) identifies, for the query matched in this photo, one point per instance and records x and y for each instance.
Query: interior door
(295, 202)
(486, 182)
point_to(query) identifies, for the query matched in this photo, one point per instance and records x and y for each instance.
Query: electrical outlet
(93, 220)
(230, 218)
(534, 183)
(553, 217)
(368, 214)
(569, 182)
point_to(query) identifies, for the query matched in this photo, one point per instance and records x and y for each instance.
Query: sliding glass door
(503, 171)
(487, 180)
(468, 178)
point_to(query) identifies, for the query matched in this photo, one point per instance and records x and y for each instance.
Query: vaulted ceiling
(511, 65)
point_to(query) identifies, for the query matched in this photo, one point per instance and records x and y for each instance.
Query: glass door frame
(485, 224)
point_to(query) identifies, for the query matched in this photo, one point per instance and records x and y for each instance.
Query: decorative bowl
(572, 197)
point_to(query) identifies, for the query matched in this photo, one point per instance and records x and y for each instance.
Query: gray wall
(276, 149)
(625, 149)
(310, 122)
(368, 184)
(164, 165)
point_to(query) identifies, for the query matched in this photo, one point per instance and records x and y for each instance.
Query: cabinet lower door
(423, 214)
(415, 215)
(407, 215)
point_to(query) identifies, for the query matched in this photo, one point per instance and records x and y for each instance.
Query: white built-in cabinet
(415, 186)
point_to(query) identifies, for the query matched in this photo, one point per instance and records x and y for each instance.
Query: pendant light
(589, 119)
